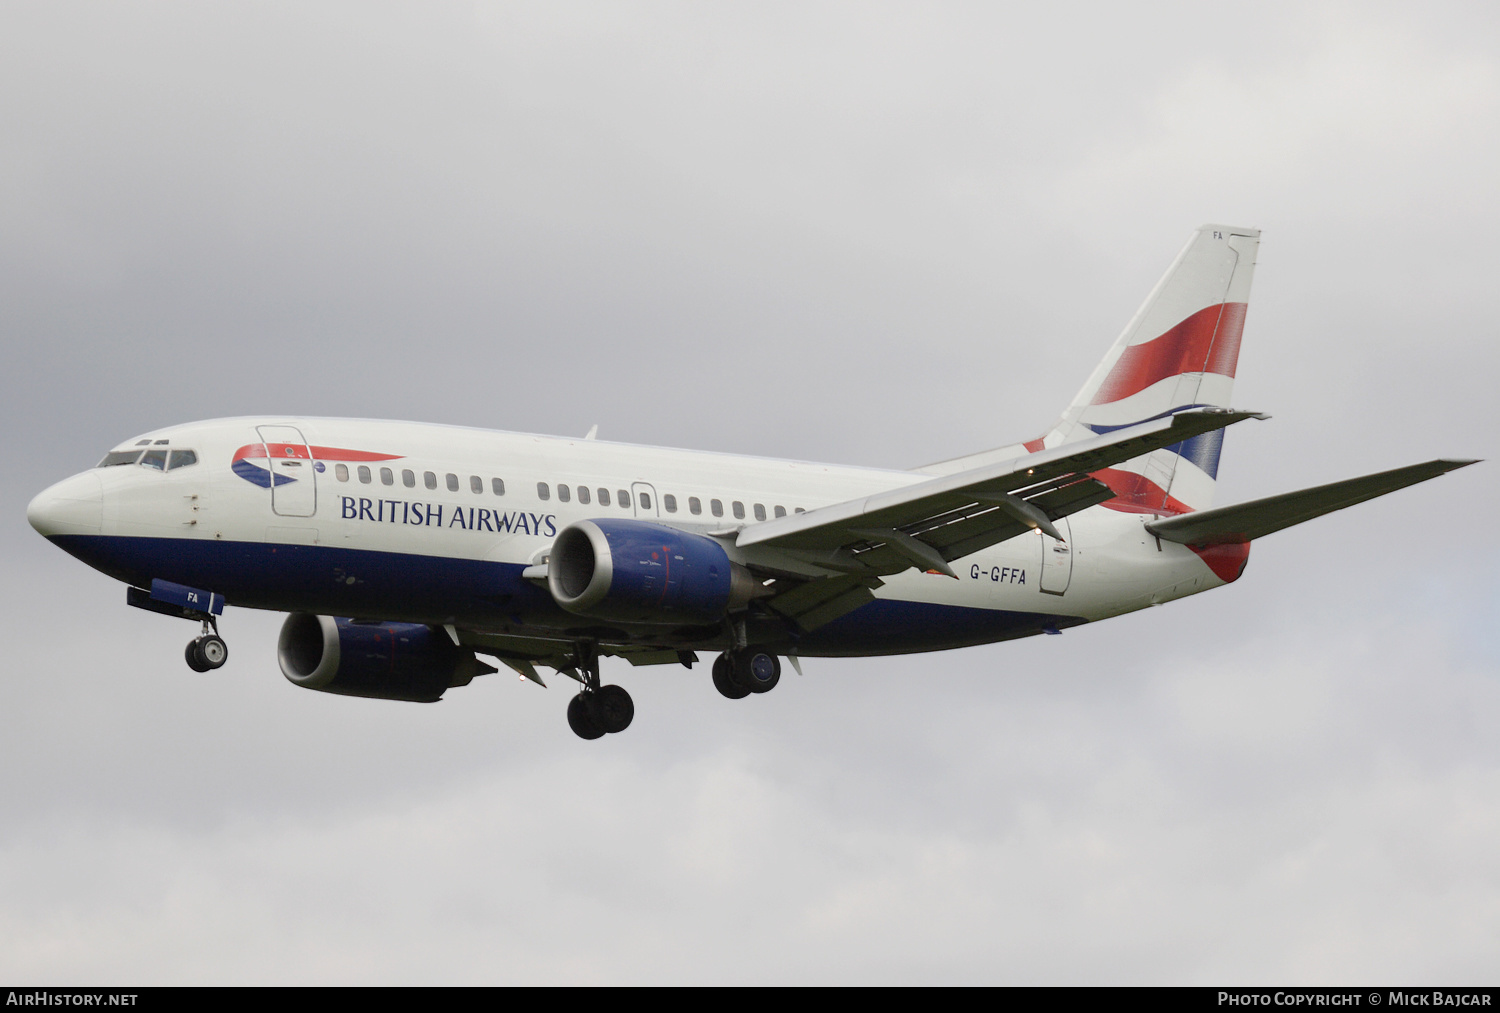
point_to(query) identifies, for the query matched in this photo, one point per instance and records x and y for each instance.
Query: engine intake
(637, 571)
(383, 661)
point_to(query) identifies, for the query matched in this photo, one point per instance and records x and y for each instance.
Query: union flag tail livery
(404, 550)
(1179, 351)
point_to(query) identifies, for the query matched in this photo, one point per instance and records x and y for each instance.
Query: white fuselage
(406, 521)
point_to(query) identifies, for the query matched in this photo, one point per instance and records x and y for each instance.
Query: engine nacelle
(384, 661)
(640, 572)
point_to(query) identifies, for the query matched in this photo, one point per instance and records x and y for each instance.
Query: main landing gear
(597, 710)
(208, 651)
(746, 670)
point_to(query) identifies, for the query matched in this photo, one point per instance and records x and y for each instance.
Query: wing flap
(1258, 518)
(970, 534)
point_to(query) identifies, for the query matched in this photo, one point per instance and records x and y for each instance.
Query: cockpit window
(160, 460)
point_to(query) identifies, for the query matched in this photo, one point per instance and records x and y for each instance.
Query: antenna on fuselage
(593, 432)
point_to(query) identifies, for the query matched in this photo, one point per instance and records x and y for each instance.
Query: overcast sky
(865, 233)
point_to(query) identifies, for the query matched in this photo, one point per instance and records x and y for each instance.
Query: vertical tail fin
(1178, 351)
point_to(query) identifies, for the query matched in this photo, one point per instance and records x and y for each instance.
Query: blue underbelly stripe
(365, 583)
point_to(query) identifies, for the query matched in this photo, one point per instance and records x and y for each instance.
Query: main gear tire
(724, 680)
(581, 719)
(758, 671)
(613, 708)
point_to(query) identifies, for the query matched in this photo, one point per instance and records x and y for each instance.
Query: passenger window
(760, 512)
(624, 499)
(781, 511)
(387, 477)
(497, 486)
(181, 459)
(739, 510)
(564, 494)
(341, 472)
(452, 482)
(542, 491)
(670, 502)
(408, 478)
(604, 497)
(716, 507)
(583, 494)
(476, 484)
(645, 500)
(155, 459)
(695, 505)
(364, 474)
(429, 480)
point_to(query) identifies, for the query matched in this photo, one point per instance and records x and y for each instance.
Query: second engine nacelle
(637, 571)
(385, 661)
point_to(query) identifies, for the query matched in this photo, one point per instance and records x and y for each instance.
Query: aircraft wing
(1258, 518)
(929, 523)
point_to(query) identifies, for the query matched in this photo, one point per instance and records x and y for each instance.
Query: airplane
(403, 551)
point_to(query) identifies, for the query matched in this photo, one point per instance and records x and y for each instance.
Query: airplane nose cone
(74, 506)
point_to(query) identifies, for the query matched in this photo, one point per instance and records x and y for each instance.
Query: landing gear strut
(597, 710)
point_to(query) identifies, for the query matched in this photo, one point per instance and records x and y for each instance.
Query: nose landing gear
(208, 651)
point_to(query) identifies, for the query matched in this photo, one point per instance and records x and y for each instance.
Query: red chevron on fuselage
(297, 450)
(260, 475)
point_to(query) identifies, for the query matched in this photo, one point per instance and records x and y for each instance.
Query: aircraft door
(645, 499)
(1057, 559)
(293, 486)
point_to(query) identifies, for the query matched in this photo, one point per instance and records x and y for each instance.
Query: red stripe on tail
(1206, 342)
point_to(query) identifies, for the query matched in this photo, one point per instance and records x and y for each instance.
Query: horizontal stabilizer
(1258, 518)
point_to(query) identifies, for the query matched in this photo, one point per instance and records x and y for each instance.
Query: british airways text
(435, 515)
